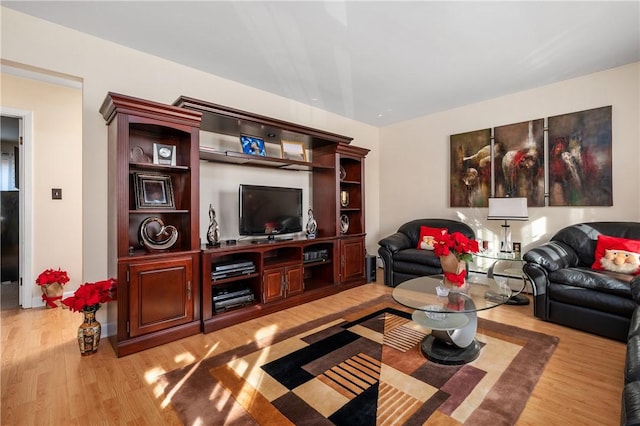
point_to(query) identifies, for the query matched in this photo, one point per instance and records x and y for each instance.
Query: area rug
(362, 366)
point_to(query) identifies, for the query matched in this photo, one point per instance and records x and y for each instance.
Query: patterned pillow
(617, 255)
(427, 235)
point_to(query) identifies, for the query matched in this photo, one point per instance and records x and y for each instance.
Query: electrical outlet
(56, 193)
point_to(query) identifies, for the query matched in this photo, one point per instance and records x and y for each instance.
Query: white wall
(420, 188)
(56, 163)
(104, 66)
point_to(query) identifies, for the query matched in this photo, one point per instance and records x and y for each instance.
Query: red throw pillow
(427, 234)
(617, 255)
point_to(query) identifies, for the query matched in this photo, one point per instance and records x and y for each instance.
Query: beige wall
(420, 188)
(56, 163)
(408, 164)
(103, 66)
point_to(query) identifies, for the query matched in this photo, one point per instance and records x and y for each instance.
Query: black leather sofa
(630, 407)
(401, 258)
(568, 292)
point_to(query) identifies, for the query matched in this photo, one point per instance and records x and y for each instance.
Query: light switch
(56, 193)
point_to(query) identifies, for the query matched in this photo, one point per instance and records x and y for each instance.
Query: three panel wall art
(565, 163)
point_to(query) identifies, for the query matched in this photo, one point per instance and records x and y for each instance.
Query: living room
(98, 65)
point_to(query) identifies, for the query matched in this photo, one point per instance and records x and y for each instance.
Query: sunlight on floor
(185, 358)
(176, 388)
(153, 377)
(266, 331)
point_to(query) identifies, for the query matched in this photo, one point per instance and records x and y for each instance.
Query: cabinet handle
(189, 290)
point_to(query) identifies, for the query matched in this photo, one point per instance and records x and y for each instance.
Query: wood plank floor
(45, 381)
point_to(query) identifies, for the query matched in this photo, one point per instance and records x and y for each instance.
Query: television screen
(270, 210)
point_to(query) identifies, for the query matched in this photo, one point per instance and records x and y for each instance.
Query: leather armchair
(568, 292)
(401, 258)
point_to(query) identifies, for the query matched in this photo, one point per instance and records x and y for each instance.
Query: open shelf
(235, 157)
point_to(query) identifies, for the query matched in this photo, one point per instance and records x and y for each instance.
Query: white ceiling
(377, 62)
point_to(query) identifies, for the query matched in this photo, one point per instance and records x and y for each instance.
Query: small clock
(164, 154)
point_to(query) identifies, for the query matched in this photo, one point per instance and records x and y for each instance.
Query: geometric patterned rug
(362, 367)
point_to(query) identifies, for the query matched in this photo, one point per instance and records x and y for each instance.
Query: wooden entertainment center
(165, 294)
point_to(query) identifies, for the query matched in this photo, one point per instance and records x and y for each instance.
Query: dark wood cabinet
(169, 288)
(282, 282)
(352, 259)
(153, 221)
(161, 294)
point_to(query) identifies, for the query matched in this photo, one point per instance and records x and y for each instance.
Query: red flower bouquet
(89, 296)
(454, 249)
(456, 243)
(51, 283)
(50, 276)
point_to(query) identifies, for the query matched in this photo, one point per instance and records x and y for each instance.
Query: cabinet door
(352, 258)
(294, 280)
(160, 295)
(273, 285)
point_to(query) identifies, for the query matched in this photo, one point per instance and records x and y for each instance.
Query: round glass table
(451, 315)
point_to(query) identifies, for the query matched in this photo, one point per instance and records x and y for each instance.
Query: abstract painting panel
(519, 166)
(470, 175)
(580, 161)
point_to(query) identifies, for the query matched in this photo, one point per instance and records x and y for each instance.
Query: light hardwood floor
(45, 381)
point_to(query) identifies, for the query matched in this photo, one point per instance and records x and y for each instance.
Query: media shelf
(282, 278)
(167, 293)
(285, 277)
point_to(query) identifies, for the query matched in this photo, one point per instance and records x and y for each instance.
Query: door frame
(25, 202)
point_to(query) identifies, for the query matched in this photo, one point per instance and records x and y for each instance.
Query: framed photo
(164, 154)
(293, 150)
(252, 145)
(153, 191)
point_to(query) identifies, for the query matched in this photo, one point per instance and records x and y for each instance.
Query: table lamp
(507, 209)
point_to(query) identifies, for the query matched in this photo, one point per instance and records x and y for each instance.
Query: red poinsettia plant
(51, 282)
(89, 296)
(50, 276)
(461, 247)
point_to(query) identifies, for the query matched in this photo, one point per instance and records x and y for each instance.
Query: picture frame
(252, 145)
(153, 191)
(164, 154)
(293, 150)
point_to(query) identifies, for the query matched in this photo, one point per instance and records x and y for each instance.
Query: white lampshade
(508, 209)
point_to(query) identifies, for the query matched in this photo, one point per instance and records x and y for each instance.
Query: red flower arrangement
(50, 276)
(461, 247)
(89, 296)
(51, 283)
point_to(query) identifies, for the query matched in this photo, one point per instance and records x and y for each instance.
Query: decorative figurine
(155, 235)
(213, 233)
(312, 225)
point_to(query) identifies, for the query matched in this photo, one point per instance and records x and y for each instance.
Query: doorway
(10, 141)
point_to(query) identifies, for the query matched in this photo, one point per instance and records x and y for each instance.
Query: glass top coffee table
(452, 317)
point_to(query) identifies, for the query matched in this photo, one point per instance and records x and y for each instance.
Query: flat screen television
(270, 210)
